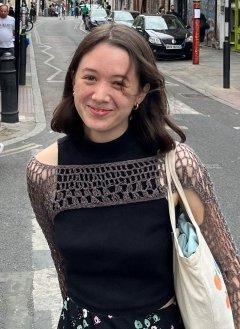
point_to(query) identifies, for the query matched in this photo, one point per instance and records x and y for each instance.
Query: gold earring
(135, 107)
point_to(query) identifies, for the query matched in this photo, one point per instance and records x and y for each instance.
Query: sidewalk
(206, 78)
(30, 107)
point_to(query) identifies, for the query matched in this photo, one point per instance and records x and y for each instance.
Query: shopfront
(235, 24)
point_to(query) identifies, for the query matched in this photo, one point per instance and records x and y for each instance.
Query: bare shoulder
(49, 155)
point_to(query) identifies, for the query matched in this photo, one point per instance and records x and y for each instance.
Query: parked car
(97, 16)
(90, 6)
(166, 35)
(121, 17)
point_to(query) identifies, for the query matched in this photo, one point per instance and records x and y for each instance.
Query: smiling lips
(99, 111)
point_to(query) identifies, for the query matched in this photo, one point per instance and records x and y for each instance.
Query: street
(29, 293)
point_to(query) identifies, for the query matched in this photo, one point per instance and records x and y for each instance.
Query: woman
(203, 27)
(100, 199)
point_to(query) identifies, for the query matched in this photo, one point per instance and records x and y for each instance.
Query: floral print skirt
(74, 316)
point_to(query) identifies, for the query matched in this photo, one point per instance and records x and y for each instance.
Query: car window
(173, 23)
(122, 16)
(155, 23)
(98, 13)
(163, 23)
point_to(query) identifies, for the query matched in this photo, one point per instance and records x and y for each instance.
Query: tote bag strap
(172, 176)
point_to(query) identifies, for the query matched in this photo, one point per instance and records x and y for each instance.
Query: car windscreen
(98, 13)
(163, 23)
(122, 16)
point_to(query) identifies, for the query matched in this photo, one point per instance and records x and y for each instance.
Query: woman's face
(106, 88)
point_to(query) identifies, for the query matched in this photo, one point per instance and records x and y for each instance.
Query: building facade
(235, 24)
(212, 9)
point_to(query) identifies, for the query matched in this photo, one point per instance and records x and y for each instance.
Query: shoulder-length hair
(151, 122)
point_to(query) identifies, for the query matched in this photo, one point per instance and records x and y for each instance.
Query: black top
(118, 259)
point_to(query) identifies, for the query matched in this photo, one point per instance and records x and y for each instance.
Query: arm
(202, 200)
(41, 185)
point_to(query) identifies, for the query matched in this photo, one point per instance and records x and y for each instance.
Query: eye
(119, 84)
(89, 78)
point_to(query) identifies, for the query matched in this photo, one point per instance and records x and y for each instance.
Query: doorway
(182, 10)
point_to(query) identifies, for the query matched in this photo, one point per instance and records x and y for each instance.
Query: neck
(103, 137)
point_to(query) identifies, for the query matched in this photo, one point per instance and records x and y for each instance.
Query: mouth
(99, 111)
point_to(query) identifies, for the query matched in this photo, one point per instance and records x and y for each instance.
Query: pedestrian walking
(203, 26)
(62, 11)
(33, 13)
(108, 8)
(84, 12)
(7, 27)
(76, 11)
(102, 197)
(173, 11)
(11, 12)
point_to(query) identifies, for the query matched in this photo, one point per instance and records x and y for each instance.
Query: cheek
(81, 94)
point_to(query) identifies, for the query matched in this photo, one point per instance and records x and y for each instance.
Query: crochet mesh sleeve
(193, 175)
(41, 189)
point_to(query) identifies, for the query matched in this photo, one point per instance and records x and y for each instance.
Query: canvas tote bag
(200, 290)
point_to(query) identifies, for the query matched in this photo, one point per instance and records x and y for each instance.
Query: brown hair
(151, 121)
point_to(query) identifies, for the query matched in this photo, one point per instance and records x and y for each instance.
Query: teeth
(102, 109)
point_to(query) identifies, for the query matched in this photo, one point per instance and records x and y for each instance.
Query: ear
(143, 93)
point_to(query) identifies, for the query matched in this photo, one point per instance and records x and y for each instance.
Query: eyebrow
(114, 76)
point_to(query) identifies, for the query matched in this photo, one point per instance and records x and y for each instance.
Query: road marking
(20, 149)
(37, 36)
(171, 84)
(237, 128)
(51, 57)
(81, 27)
(183, 127)
(178, 107)
(47, 61)
(77, 26)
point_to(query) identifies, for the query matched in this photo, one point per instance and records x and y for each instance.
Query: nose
(101, 93)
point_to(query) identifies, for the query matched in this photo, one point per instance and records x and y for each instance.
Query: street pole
(226, 46)
(17, 41)
(196, 31)
(23, 48)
